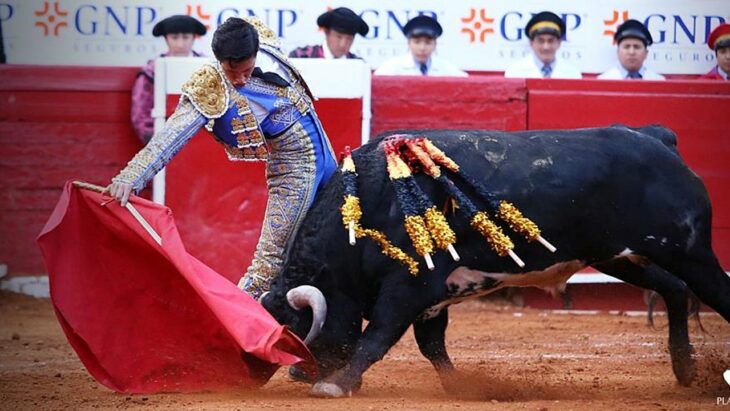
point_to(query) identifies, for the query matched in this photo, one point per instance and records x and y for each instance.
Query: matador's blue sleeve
(179, 129)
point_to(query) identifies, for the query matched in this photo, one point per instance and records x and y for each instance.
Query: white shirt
(620, 73)
(531, 67)
(267, 64)
(405, 65)
(328, 53)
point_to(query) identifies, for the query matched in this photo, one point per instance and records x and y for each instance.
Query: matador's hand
(120, 192)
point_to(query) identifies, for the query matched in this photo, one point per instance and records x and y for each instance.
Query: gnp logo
(670, 29)
(276, 19)
(114, 20)
(388, 24)
(94, 19)
(279, 24)
(51, 21)
(477, 25)
(477, 28)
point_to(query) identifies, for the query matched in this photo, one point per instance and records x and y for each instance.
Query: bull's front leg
(391, 317)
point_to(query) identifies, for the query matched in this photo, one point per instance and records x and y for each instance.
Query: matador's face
(239, 72)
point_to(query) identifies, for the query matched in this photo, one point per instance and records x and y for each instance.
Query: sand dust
(509, 359)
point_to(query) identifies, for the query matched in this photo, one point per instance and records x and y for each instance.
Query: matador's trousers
(300, 161)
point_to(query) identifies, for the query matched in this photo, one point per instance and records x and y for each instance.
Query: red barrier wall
(59, 123)
(56, 124)
(478, 102)
(219, 210)
(697, 111)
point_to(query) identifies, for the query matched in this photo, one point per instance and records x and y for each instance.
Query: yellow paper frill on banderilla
(388, 248)
(417, 231)
(500, 243)
(518, 222)
(351, 211)
(424, 223)
(439, 228)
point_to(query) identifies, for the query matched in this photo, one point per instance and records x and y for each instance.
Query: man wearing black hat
(179, 32)
(340, 26)
(545, 31)
(422, 32)
(632, 40)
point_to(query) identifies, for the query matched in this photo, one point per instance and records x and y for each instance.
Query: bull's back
(588, 184)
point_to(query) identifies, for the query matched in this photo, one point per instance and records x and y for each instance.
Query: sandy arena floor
(512, 359)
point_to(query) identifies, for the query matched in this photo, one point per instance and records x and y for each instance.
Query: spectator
(720, 42)
(340, 26)
(179, 32)
(632, 42)
(545, 30)
(422, 33)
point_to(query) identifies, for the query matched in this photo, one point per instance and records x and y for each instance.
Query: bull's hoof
(685, 372)
(298, 375)
(683, 366)
(324, 389)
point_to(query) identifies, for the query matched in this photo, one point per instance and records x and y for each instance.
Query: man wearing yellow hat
(545, 31)
(719, 41)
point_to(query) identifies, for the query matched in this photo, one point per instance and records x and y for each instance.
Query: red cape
(145, 318)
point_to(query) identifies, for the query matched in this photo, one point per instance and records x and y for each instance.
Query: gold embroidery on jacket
(207, 91)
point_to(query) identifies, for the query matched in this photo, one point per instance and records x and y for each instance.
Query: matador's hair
(235, 40)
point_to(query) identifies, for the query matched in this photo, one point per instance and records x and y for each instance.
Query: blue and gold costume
(269, 119)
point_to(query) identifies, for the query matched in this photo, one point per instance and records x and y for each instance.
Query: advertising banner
(478, 35)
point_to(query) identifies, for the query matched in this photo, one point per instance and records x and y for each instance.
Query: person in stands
(632, 47)
(180, 32)
(422, 33)
(719, 41)
(545, 31)
(340, 26)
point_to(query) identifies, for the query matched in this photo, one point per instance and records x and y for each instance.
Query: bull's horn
(309, 296)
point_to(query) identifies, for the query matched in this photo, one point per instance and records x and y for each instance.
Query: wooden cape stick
(133, 210)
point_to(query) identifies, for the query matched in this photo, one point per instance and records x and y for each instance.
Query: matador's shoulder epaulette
(207, 91)
(266, 35)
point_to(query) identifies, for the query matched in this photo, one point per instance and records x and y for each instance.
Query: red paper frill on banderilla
(145, 318)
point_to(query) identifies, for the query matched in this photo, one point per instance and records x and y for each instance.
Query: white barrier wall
(478, 35)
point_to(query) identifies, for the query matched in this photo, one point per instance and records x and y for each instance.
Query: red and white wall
(61, 123)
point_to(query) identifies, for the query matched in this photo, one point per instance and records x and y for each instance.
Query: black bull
(617, 199)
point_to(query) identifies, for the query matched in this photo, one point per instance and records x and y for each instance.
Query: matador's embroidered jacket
(210, 100)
